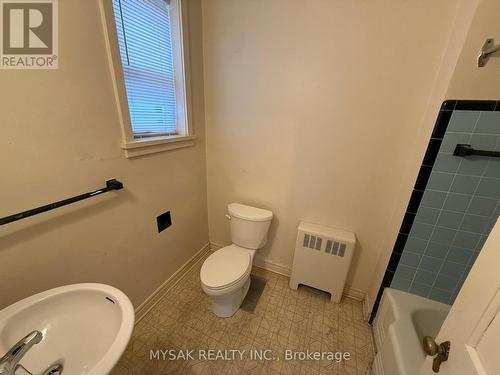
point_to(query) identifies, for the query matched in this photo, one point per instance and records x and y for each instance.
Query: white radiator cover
(322, 258)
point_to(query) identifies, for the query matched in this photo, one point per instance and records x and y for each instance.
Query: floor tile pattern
(284, 319)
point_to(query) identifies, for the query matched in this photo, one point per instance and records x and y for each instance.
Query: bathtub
(402, 321)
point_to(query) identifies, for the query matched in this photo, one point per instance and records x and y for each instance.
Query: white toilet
(225, 274)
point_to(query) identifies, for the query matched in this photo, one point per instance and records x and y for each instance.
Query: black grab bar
(110, 185)
(467, 150)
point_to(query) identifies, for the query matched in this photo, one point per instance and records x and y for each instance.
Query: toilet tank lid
(244, 212)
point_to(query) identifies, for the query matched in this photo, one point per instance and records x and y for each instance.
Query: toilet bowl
(225, 274)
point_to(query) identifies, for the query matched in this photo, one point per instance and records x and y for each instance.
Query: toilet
(225, 274)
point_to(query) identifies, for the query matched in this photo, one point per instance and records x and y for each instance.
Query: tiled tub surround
(298, 320)
(455, 204)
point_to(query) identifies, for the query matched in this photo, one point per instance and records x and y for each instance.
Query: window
(151, 73)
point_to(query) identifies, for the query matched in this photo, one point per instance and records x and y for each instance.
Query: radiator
(322, 258)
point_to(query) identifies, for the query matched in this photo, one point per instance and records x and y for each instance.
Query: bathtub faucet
(440, 351)
(10, 361)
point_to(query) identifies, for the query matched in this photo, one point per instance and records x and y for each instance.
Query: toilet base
(226, 305)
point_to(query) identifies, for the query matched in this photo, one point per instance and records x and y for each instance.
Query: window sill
(142, 147)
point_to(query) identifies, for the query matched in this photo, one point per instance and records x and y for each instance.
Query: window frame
(132, 146)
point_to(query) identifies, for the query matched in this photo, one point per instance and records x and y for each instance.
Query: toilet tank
(249, 225)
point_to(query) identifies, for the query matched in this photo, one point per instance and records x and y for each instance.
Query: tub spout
(442, 350)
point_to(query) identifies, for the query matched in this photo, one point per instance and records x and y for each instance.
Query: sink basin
(85, 327)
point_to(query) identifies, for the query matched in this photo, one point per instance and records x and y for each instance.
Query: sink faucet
(10, 361)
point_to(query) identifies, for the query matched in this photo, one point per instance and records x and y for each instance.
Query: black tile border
(448, 105)
(423, 177)
(432, 151)
(394, 261)
(408, 219)
(414, 203)
(400, 243)
(476, 105)
(441, 124)
(442, 121)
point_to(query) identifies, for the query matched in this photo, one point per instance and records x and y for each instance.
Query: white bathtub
(402, 321)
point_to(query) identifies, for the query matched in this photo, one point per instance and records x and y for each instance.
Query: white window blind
(145, 41)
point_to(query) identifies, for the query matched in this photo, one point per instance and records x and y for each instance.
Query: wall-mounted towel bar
(110, 185)
(467, 150)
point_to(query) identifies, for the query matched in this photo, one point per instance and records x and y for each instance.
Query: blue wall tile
(416, 245)
(427, 215)
(425, 277)
(457, 202)
(482, 206)
(489, 187)
(489, 226)
(433, 199)
(453, 270)
(431, 264)
(446, 163)
(476, 224)
(440, 295)
(464, 184)
(488, 122)
(421, 230)
(483, 141)
(463, 121)
(480, 243)
(451, 140)
(466, 240)
(493, 169)
(473, 257)
(420, 289)
(400, 283)
(443, 235)
(410, 259)
(445, 282)
(437, 250)
(459, 255)
(440, 181)
(472, 166)
(405, 272)
(450, 219)
(459, 206)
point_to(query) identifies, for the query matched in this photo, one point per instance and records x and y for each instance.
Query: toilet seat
(225, 268)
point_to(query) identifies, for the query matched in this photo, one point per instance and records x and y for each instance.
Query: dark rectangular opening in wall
(164, 221)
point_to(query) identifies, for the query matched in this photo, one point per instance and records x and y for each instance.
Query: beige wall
(469, 81)
(311, 112)
(458, 78)
(308, 108)
(61, 137)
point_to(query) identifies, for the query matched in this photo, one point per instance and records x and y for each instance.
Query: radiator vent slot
(342, 249)
(328, 248)
(312, 242)
(335, 248)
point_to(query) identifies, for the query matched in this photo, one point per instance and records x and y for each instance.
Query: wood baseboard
(163, 289)
(367, 306)
(158, 294)
(349, 292)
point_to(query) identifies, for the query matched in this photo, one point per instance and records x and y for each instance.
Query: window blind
(145, 42)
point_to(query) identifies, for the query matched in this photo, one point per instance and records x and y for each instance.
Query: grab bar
(110, 185)
(467, 150)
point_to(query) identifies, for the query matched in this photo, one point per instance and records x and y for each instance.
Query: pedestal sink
(85, 329)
